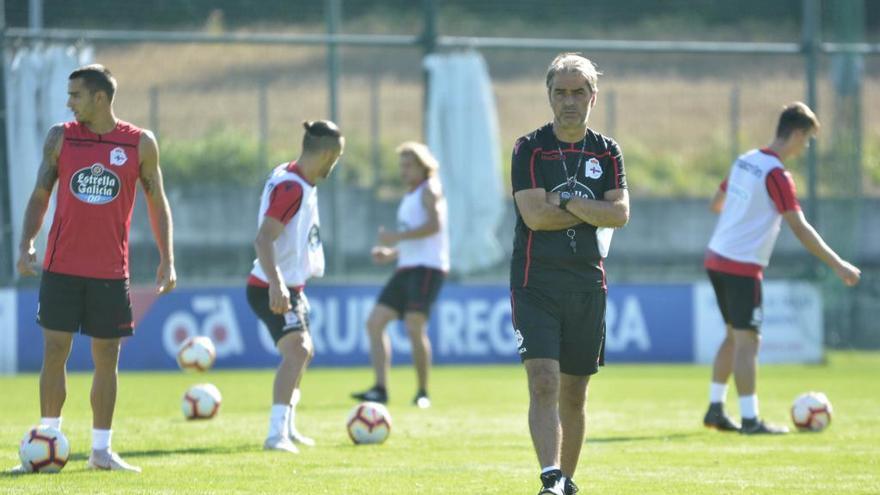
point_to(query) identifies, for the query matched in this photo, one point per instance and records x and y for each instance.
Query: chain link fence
(227, 111)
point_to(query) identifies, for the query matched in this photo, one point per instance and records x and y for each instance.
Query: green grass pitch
(644, 435)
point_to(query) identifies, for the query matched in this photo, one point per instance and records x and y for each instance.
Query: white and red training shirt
(431, 251)
(759, 190)
(292, 200)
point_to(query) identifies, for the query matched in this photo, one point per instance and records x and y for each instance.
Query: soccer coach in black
(569, 188)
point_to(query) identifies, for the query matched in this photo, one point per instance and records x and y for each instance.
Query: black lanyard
(571, 180)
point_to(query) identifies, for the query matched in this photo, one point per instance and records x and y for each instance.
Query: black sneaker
(570, 487)
(715, 418)
(553, 483)
(421, 400)
(759, 427)
(375, 394)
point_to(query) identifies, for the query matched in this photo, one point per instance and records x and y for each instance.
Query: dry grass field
(670, 113)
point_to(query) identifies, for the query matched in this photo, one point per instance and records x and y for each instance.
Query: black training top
(545, 259)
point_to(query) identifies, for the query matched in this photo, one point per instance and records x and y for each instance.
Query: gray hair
(574, 62)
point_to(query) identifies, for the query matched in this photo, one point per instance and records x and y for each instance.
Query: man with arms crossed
(422, 254)
(289, 252)
(96, 159)
(757, 194)
(569, 189)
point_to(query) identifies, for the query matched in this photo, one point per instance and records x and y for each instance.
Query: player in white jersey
(421, 247)
(289, 252)
(757, 194)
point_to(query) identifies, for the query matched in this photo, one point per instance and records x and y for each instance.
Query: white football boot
(20, 469)
(281, 443)
(109, 461)
(299, 438)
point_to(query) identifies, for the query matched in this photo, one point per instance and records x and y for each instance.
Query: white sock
(53, 422)
(294, 400)
(717, 392)
(549, 468)
(748, 406)
(101, 439)
(278, 420)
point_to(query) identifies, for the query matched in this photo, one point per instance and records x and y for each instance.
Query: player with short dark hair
(569, 189)
(97, 160)
(796, 117)
(96, 77)
(756, 196)
(289, 252)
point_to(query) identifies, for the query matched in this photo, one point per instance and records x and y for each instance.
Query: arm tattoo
(148, 185)
(48, 173)
(149, 175)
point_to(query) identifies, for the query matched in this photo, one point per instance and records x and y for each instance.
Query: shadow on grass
(226, 449)
(642, 438)
(217, 449)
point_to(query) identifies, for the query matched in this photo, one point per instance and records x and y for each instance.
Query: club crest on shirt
(95, 185)
(594, 169)
(314, 237)
(118, 156)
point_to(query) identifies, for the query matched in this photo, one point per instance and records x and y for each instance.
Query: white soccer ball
(811, 411)
(201, 401)
(44, 449)
(368, 422)
(196, 354)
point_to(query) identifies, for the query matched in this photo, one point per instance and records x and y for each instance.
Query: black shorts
(564, 326)
(99, 308)
(739, 299)
(412, 289)
(295, 320)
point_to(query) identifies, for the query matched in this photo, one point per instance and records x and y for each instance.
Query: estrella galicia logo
(118, 156)
(95, 185)
(314, 237)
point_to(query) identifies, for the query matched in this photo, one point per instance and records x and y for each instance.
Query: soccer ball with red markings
(44, 449)
(201, 401)
(368, 422)
(811, 412)
(196, 354)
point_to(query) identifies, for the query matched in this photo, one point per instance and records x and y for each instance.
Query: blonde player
(421, 247)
